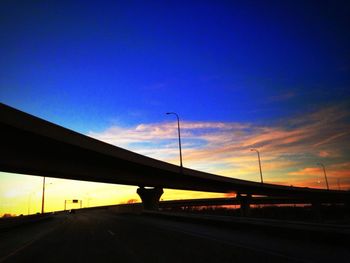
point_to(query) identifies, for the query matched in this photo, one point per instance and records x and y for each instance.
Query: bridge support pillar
(244, 204)
(150, 197)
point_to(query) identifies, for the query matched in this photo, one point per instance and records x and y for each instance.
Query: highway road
(104, 236)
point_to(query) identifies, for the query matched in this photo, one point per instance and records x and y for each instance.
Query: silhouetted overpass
(30, 145)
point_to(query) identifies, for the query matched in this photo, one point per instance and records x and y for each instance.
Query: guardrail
(261, 200)
(297, 229)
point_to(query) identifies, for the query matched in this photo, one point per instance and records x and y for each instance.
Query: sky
(270, 75)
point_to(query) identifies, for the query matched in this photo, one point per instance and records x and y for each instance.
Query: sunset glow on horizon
(289, 151)
(240, 75)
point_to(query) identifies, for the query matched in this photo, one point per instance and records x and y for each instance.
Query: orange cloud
(289, 150)
(323, 154)
(338, 175)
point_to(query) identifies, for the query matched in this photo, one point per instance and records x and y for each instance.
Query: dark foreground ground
(103, 236)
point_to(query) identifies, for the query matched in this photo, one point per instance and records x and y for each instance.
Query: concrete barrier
(12, 222)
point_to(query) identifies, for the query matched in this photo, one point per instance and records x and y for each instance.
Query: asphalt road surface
(102, 236)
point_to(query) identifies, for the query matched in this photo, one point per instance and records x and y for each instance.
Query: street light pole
(261, 177)
(43, 197)
(325, 175)
(178, 129)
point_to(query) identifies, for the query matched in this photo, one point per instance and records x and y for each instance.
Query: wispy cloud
(338, 175)
(331, 138)
(282, 97)
(289, 149)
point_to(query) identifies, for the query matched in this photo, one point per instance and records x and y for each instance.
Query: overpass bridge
(30, 145)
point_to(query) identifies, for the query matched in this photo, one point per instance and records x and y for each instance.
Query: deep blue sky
(88, 65)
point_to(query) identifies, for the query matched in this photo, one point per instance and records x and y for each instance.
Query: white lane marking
(30, 242)
(18, 250)
(230, 242)
(109, 231)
